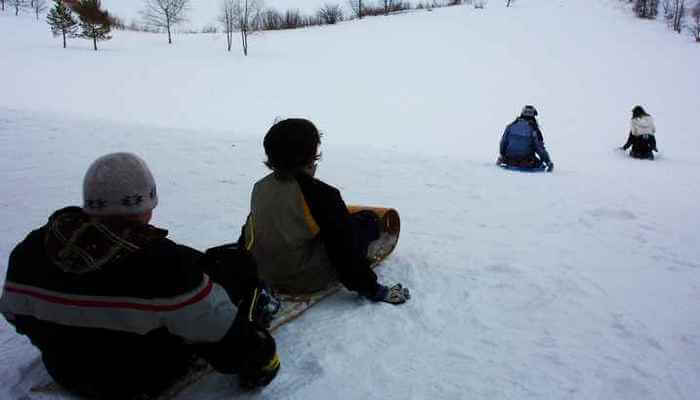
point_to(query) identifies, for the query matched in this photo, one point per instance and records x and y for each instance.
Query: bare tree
(387, 6)
(270, 20)
(39, 6)
(227, 18)
(667, 8)
(247, 19)
(292, 19)
(2, 5)
(678, 15)
(18, 5)
(165, 14)
(696, 22)
(508, 3)
(356, 7)
(330, 14)
(646, 8)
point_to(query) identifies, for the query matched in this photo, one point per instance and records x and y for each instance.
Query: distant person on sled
(299, 230)
(642, 137)
(120, 311)
(522, 145)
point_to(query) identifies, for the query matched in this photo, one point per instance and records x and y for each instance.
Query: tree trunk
(94, 42)
(167, 25)
(64, 39)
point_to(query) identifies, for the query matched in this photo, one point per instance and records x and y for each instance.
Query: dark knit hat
(119, 184)
(529, 111)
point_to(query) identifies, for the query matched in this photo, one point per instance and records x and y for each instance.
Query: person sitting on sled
(642, 137)
(522, 143)
(299, 229)
(120, 311)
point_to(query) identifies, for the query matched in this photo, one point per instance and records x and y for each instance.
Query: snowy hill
(581, 284)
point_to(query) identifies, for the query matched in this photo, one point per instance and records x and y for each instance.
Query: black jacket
(121, 310)
(344, 237)
(642, 145)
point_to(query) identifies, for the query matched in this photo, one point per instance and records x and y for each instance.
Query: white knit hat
(119, 184)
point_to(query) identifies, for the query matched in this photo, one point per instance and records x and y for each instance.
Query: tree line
(674, 12)
(244, 17)
(236, 16)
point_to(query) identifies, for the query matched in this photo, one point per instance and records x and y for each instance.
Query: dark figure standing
(522, 143)
(117, 309)
(299, 229)
(642, 137)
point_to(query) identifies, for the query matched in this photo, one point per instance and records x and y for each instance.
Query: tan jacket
(285, 239)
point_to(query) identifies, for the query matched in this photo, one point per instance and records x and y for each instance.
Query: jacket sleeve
(504, 141)
(205, 311)
(633, 127)
(245, 345)
(539, 147)
(339, 235)
(629, 142)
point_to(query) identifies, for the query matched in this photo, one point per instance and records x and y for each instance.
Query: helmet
(529, 111)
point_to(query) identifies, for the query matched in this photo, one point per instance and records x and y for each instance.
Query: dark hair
(291, 145)
(638, 112)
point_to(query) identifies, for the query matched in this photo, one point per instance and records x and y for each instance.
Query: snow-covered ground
(581, 284)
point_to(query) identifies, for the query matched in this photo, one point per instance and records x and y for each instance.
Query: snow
(581, 284)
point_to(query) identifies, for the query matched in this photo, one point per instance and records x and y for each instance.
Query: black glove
(260, 371)
(260, 361)
(550, 166)
(396, 294)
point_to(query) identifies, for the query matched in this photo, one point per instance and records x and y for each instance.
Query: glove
(655, 149)
(251, 380)
(259, 371)
(550, 166)
(396, 294)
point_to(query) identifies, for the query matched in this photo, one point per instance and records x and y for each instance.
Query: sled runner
(540, 168)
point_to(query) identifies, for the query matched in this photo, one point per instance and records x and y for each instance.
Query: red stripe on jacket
(114, 304)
